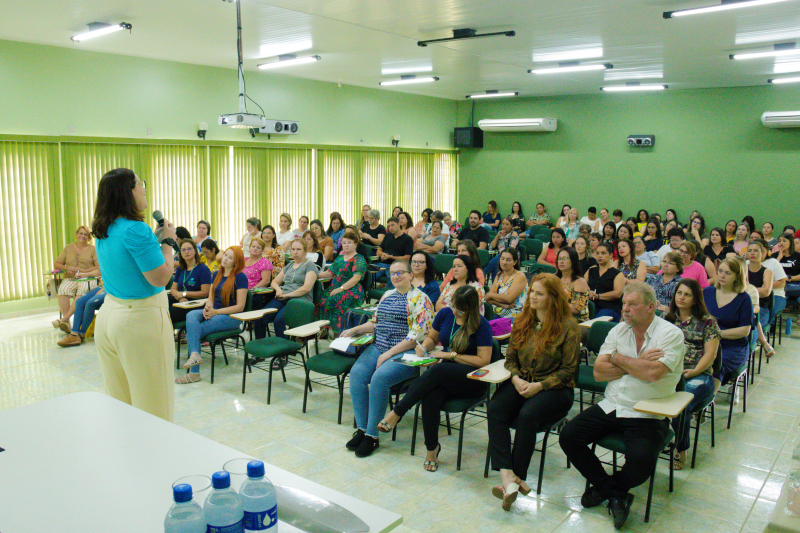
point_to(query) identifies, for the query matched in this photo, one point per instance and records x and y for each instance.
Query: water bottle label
(233, 528)
(262, 521)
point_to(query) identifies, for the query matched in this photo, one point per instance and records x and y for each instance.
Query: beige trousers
(135, 342)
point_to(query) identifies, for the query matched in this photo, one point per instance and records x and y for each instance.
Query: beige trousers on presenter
(135, 343)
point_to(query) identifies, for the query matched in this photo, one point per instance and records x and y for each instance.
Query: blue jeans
(381, 274)
(197, 327)
(609, 312)
(492, 267)
(792, 291)
(85, 306)
(277, 319)
(369, 387)
(763, 319)
(778, 305)
(702, 387)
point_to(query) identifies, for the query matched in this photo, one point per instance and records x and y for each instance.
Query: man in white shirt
(591, 220)
(618, 218)
(676, 238)
(641, 359)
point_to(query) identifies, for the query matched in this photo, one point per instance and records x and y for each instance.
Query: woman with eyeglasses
(666, 280)
(693, 269)
(508, 292)
(346, 290)
(424, 275)
(466, 339)
(433, 242)
(191, 281)
(463, 274)
(402, 319)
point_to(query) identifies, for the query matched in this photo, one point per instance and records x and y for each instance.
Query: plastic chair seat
(270, 347)
(586, 380)
(221, 335)
(376, 294)
(330, 363)
(615, 442)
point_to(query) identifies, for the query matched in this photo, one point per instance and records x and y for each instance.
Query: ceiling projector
(243, 120)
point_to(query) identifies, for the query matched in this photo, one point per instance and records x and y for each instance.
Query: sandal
(677, 462)
(194, 359)
(769, 353)
(433, 464)
(187, 378)
(384, 426)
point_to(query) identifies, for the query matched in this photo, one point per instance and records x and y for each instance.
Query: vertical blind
(50, 188)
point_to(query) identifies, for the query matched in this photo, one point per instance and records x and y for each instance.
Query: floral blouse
(629, 271)
(419, 312)
(450, 289)
(696, 333)
(511, 312)
(579, 300)
(277, 258)
(509, 240)
(663, 290)
(456, 228)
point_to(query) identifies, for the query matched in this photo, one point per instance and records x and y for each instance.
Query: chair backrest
(443, 263)
(496, 353)
(717, 364)
(534, 248)
(543, 234)
(298, 313)
(597, 335)
(535, 230)
(248, 303)
(316, 292)
(484, 257)
(523, 252)
(488, 312)
(592, 310)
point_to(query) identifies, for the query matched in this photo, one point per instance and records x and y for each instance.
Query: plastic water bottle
(223, 508)
(259, 501)
(185, 515)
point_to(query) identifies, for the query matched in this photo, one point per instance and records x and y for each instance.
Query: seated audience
(767, 230)
(203, 232)
(594, 240)
(762, 278)
(425, 220)
(666, 281)
(717, 249)
(650, 259)
(396, 246)
(396, 211)
(507, 295)
(325, 242)
(541, 218)
(634, 226)
(604, 218)
(584, 230)
(466, 247)
(407, 225)
(433, 242)
(364, 220)
(475, 232)
(751, 223)
(585, 255)
(641, 359)
(77, 260)
(728, 302)
(730, 231)
(491, 218)
(272, 250)
(402, 319)
(257, 269)
(627, 264)
(605, 284)
(669, 216)
(286, 234)
(302, 225)
(591, 220)
(345, 290)
(741, 241)
(517, 217)
(701, 336)
(454, 225)
(543, 357)
(335, 229)
(191, 280)
(558, 240)
(652, 236)
(610, 232)
(641, 220)
(675, 238)
(424, 275)
(568, 270)
(85, 308)
(505, 239)
(296, 280)
(464, 273)
(617, 217)
(227, 296)
(708, 264)
(623, 232)
(789, 260)
(373, 232)
(571, 227)
(253, 226)
(692, 269)
(210, 255)
(565, 209)
(696, 231)
(313, 250)
(466, 339)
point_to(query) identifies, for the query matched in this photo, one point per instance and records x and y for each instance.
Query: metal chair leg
(460, 439)
(225, 355)
(447, 418)
(541, 461)
(305, 390)
(414, 430)
(245, 366)
(213, 354)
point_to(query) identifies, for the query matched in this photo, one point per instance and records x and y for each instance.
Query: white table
(87, 462)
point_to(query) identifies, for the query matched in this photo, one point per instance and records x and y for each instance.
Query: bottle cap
(221, 480)
(255, 469)
(182, 493)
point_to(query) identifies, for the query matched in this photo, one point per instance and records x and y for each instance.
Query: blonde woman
(286, 234)
(77, 260)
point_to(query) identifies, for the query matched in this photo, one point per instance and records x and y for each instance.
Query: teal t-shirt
(130, 249)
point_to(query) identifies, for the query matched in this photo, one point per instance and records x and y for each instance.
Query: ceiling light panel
(400, 68)
(556, 55)
(782, 67)
(617, 74)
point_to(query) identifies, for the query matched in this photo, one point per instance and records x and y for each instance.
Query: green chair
(458, 405)
(523, 253)
(484, 257)
(329, 364)
(443, 263)
(592, 310)
(213, 339)
(740, 379)
(537, 268)
(535, 230)
(706, 407)
(298, 313)
(585, 379)
(543, 234)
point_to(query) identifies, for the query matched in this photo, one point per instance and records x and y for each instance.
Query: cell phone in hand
(480, 373)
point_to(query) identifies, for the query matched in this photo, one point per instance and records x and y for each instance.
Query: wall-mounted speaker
(468, 138)
(641, 141)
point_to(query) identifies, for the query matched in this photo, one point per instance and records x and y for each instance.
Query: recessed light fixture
(388, 71)
(778, 50)
(289, 60)
(777, 81)
(493, 94)
(572, 66)
(96, 29)
(724, 6)
(632, 86)
(405, 80)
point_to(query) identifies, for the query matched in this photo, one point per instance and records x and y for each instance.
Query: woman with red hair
(228, 296)
(542, 358)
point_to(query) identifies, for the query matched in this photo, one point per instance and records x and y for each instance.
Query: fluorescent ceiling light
(279, 49)
(632, 88)
(786, 66)
(776, 81)
(406, 70)
(289, 61)
(633, 74)
(405, 80)
(571, 68)
(726, 6)
(99, 29)
(568, 55)
(493, 94)
(778, 50)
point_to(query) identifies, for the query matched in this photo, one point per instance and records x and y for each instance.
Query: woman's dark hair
(274, 243)
(210, 244)
(632, 257)
(674, 214)
(317, 222)
(115, 200)
(182, 233)
(397, 207)
(472, 250)
(734, 223)
(699, 310)
(613, 226)
(576, 263)
(702, 224)
(181, 260)
(628, 228)
(639, 215)
(751, 223)
(514, 255)
(789, 227)
(608, 247)
(472, 272)
(408, 218)
(658, 235)
(720, 232)
(207, 225)
(476, 212)
(429, 212)
(521, 213)
(561, 214)
(493, 204)
(253, 221)
(430, 269)
(441, 224)
(759, 233)
(334, 216)
(466, 300)
(563, 236)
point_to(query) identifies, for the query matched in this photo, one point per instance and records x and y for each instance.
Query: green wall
(45, 89)
(711, 154)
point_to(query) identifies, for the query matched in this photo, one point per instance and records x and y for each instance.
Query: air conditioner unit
(518, 124)
(781, 119)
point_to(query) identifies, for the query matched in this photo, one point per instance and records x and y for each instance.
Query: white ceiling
(357, 38)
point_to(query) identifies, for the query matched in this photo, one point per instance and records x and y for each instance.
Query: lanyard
(185, 274)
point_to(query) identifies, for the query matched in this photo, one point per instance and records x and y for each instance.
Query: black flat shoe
(592, 498)
(367, 446)
(353, 443)
(620, 508)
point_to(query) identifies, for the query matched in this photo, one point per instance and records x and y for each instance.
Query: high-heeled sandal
(384, 426)
(524, 488)
(509, 495)
(194, 359)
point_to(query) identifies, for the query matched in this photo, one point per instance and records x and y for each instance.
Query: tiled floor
(733, 488)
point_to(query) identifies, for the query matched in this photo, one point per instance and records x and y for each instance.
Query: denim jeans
(763, 319)
(369, 387)
(85, 306)
(492, 267)
(197, 327)
(702, 388)
(381, 274)
(609, 312)
(778, 305)
(792, 290)
(278, 319)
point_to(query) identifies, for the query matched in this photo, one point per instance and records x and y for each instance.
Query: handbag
(500, 326)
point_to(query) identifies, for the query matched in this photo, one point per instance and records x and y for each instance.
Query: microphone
(158, 217)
